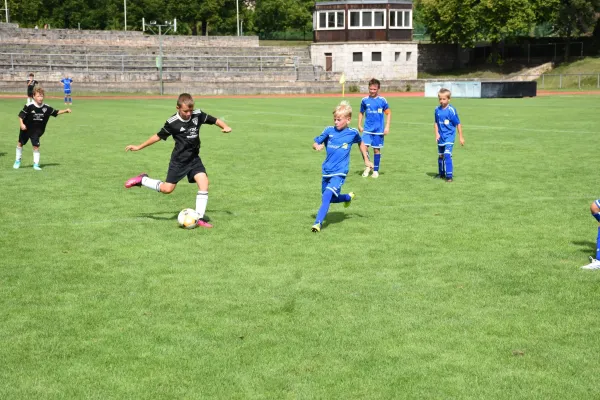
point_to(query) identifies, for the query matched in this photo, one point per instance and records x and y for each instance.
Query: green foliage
(353, 88)
(450, 21)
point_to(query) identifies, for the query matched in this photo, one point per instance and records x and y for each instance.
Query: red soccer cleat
(135, 181)
(204, 224)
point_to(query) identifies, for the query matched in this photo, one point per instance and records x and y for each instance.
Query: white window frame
(360, 19)
(401, 14)
(327, 28)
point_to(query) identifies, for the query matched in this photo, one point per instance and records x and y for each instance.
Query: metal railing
(140, 63)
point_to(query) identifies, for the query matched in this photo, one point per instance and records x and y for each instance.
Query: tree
(501, 19)
(572, 18)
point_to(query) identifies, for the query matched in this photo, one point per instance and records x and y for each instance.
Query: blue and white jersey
(67, 83)
(338, 145)
(446, 120)
(373, 109)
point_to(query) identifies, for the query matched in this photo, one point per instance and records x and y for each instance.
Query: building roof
(336, 2)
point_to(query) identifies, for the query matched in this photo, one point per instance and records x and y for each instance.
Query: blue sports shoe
(347, 203)
(17, 164)
(37, 167)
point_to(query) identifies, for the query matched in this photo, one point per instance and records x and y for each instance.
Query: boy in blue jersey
(595, 262)
(66, 82)
(338, 141)
(373, 108)
(445, 126)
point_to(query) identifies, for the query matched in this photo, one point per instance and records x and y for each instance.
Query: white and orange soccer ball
(188, 218)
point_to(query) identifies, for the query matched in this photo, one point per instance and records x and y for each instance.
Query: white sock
(19, 153)
(36, 157)
(153, 184)
(201, 201)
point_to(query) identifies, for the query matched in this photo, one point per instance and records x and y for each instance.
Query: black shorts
(178, 171)
(24, 137)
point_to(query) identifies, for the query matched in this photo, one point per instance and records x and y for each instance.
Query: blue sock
(598, 245)
(376, 161)
(441, 167)
(326, 200)
(342, 198)
(597, 216)
(66, 99)
(448, 165)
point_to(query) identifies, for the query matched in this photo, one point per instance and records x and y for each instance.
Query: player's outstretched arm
(388, 121)
(365, 154)
(360, 126)
(65, 111)
(153, 139)
(318, 147)
(460, 135)
(224, 127)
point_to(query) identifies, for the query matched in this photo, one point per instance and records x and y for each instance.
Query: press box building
(365, 39)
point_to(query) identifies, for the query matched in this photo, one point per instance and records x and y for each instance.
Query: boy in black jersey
(33, 119)
(30, 85)
(184, 126)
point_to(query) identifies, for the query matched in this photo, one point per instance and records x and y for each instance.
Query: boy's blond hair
(38, 89)
(344, 109)
(185, 98)
(444, 91)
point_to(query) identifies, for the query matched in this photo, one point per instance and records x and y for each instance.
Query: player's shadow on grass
(587, 247)
(50, 165)
(2, 154)
(335, 217)
(359, 173)
(160, 215)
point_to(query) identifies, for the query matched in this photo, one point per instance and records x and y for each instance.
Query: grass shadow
(2, 154)
(587, 246)
(160, 215)
(335, 217)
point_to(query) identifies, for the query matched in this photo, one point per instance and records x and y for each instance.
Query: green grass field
(421, 289)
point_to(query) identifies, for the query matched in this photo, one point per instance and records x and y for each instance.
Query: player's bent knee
(594, 208)
(167, 188)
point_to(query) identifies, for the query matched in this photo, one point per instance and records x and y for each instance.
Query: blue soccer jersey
(67, 84)
(373, 109)
(338, 145)
(447, 120)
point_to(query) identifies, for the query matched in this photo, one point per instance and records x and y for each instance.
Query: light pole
(237, 16)
(159, 61)
(125, 12)
(6, 9)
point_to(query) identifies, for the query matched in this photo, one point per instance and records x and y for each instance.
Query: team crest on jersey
(446, 122)
(345, 146)
(182, 129)
(44, 109)
(379, 110)
(195, 121)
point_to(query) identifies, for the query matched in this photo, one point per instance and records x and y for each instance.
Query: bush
(408, 87)
(353, 88)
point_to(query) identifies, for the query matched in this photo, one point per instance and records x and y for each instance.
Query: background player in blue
(32, 121)
(445, 126)
(373, 108)
(184, 127)
(66, 82)
(595, 262)
(338, 141)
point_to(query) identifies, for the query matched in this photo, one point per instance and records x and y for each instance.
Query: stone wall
(441, 57)
(398, 60)
(118, 38)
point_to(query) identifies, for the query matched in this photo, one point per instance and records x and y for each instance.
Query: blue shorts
(446, 148)
(374, 141)
(67, 92)
(333, 183)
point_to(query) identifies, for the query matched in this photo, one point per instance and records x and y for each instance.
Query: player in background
(66, 82)
(32, 120)
(338, 141)
(184, 127)
(31, 82)
(595, 262)
(372, 109)
(445, 126)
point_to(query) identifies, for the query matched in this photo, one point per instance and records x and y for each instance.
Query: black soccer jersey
(35, 118)
(30, 86)
(186, 135)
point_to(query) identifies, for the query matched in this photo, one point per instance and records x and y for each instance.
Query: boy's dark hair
(375, 82)
(185, 98)
(31, 74)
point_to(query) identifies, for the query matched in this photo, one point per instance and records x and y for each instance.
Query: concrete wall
(118, 38)
(398, 60)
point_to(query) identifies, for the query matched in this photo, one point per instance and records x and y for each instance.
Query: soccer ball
(188, 218)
